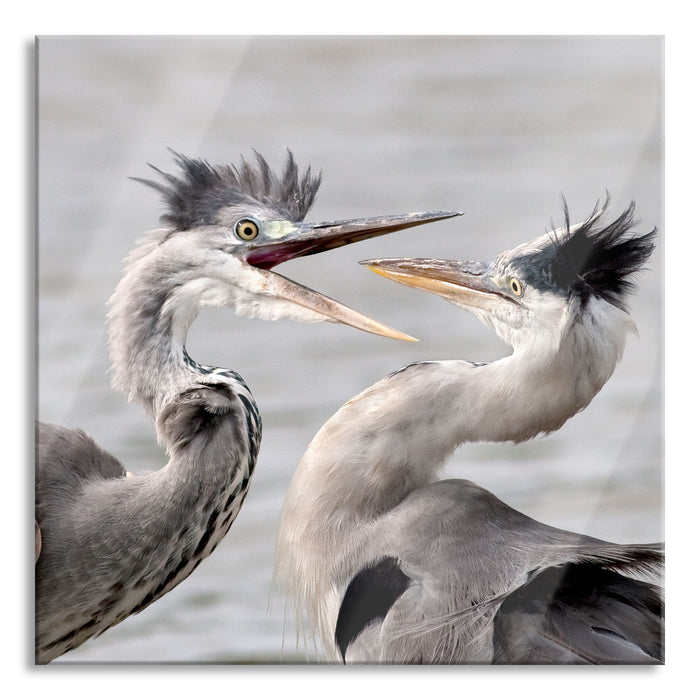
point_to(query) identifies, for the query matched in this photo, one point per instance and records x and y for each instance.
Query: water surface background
(499, 127)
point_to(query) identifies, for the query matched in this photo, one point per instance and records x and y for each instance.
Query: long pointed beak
(463, 282)
(297, 240)
(331, 310)
(308, 239)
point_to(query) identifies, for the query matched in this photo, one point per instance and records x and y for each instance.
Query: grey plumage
(197, 196)
(585, 613)
(494, 586)
(389, 564)
(108, 543)
(111, 544)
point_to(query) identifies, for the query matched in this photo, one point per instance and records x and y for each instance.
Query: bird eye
(247, 229)
(516, 287)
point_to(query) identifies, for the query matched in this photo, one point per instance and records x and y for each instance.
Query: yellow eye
(247, 229)
(516, 287)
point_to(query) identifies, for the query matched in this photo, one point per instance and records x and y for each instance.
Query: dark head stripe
(592, 260)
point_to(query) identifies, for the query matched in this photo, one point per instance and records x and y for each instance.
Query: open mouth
(309, 239)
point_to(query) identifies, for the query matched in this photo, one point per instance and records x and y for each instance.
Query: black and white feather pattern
(591, 258)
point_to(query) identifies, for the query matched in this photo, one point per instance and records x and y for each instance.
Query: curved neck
(161, 525)
(151, 311)
(394, 437)
(206, 417)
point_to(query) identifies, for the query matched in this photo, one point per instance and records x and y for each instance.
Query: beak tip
(378, 269)
(392, 333)
(407, 338)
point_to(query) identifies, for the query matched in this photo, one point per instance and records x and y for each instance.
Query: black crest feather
(594, 259)
(194, 197)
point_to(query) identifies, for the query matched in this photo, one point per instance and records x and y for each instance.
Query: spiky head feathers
(588, 259)
(202, 190)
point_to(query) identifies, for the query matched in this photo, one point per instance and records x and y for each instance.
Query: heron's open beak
(464, 283)
(297, 240)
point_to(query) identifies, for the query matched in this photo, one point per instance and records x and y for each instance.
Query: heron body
(390, 564)
(109, 543)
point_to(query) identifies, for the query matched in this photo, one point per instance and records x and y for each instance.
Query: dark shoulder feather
(200, 190)
(581, 613)
(368, 598)
(593, 259)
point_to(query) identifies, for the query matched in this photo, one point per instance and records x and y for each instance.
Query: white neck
(395, 436)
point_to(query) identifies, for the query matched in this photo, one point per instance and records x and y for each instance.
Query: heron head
(230, 225)
(535, 293)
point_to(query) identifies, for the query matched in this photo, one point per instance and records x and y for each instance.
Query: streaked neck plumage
(205, 416)
(164, 523)
(152, 309)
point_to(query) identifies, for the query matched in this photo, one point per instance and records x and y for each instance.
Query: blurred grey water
(499, 127)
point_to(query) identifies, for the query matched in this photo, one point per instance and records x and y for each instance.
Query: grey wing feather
(489, 584)
(72, 454)
(580, 614)
(64, 460)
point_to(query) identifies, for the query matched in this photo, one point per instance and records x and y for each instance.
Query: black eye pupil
(247, 229)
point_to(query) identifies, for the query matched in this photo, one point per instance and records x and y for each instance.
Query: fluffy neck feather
(394, 437)
(151, 311)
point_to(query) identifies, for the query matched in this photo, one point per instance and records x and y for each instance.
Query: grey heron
(390, 564)
(108, 543)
